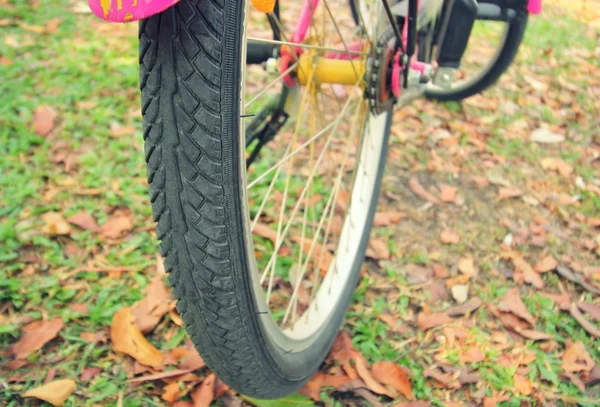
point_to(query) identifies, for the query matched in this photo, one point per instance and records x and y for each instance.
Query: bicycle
(264, 249)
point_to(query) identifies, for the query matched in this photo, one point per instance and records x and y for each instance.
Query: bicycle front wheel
(263, 261)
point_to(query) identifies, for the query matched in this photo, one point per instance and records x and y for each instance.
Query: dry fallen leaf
(532, 334)
(466, 308)
(115, 226)
(577, 359)
(447, 193)
(460, 292)
(548, 263)
(427, 321)
(508, 193)
(449, 237)
(312, 389)
(378, 249)
(192, 360)
(149, 311)
(127, 338)
(370, 381)
(204, 395)
(44, 120)
(474, 355)
(343, 353)
(392, 322)
(55, 225)
(83, 220)
(55, 392)
(545, 136)
(466, 266)
(590, 309)
(393, 375)
(585, 324)
(511, 302)
(264, 231)
(171, 393)
(387, 218)
(522, 385)
(162, 375)
(319, 254)
(36, 335)
(529, 274)
(89, 373)
(421, 192)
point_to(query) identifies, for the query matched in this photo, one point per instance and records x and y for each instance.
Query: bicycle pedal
(264, 6)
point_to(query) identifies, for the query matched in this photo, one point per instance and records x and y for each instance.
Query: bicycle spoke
(307, 46)
(270, 85)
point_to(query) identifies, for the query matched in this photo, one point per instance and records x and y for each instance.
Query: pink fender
(124, 11)
(534, 6)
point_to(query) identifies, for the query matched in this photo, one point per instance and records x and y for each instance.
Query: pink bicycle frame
(124, 11)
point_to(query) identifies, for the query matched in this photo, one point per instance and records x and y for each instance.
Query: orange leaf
(393, 375)
(474, 355)
(171, 392)
(56, 225)
(44, 120)
(421, 192)
(576, 358)
(263, 230)
(447, 193)
(162, 375)
(511, 302)
(36, 335)
(548, 263)
(204, 395)
(387, 218)
(378, 249)
(508, 193)
(149, 311)
(55, 392)
(522, 385)
(312, 389)
(392, 322)
(192, 361)
(466, 266)
(83, 220)
(115, 226)
(449, 237)
(370, 381)
(127, 338)
(343, 353)
(89, 373)
(427, 321)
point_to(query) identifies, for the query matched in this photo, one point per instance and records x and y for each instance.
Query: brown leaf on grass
(44, 120)
(577, 359)
(36, 335)
(95, 337)
(446, 379)
(592, 310)
(392, 322)
(149, 311)
(447, 193)
(364, 373)
(183, 403)
(204, 394)
(466, 308)
(312, 388)
(578, 279)
(83, 220)
(585, 324)
(595, 222)
(427, 321)
(508, 193)
(562, 300)
(421, 192)
(161, 375)
(415, 403)
(263, 230)
(378, 249)
(387, 218)
(55, 224)
(127, 338)
(116, 226)
(548, 263)
(343, 353)
(474, 355)
(319, 254)
(393, 375)
(192, 361)
(511, 302)
(533, 278)
(55, 392)
(493, 401)
(79, 308)
(89, 373)
(449, 237)
(522, 385)
(171, 392)
(575, 380)
(466, 266)
(533, 334)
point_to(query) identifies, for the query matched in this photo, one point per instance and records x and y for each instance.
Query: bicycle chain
(378, 90)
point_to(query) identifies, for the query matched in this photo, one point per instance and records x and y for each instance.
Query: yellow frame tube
(327, 70)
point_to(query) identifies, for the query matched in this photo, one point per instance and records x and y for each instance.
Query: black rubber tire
(190, 81)
(504, 59)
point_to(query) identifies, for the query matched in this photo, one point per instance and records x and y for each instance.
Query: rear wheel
(263, 261)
